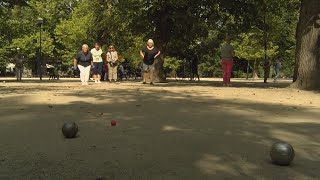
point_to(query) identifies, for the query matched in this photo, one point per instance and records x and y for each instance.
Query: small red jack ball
(113, 123)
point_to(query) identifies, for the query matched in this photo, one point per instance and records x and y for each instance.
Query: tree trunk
(255, 70)
(298, 38)
(162, 29)
(307, 70)
(159, 75)
(266, 62)
(248, 65)
(266, 70)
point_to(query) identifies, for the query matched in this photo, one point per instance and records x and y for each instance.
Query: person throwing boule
(149, 54)
(83, 61)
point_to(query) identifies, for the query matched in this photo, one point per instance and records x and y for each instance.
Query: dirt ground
(173, 131)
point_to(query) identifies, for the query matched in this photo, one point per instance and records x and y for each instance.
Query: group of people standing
(86, 61)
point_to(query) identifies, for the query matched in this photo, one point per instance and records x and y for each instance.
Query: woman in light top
(97, 62)
(112, 60)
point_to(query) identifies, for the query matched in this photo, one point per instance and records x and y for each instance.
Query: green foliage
(179, 28)
(172, 63)
(248, 47)
(29, 45)
(132, 52)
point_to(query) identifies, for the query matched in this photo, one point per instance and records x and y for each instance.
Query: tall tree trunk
(162, 29)
(307, 70)
(298, 47)
(266, 70)
(248, 66)
(160, 75)
(266, 63)
(255, 70)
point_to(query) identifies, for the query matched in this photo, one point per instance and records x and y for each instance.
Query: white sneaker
(98, 82)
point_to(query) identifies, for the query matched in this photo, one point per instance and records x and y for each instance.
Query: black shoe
(151, 83)
(144, 83)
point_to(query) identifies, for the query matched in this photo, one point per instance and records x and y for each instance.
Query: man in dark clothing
(83, 61)
(194, 67)
(19, 68)
(149, 54)
(127, 68)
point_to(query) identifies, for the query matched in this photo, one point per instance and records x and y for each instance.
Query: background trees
(262, 30)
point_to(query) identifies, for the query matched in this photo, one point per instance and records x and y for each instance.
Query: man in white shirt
(97, 62)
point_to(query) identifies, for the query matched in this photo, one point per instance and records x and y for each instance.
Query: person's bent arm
(142, 54)
(116, 57)
(75, 62)
(157, 55)
(108, 58)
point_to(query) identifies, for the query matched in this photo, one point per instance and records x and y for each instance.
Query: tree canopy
(180, 28)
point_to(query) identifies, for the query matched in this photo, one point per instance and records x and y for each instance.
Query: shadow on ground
(160, 135)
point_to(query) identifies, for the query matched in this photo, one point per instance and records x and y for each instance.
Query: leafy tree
(179, 28)
(249, 48)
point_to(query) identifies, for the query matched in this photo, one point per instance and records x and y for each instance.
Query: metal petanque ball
(282, 153)
(70, 129)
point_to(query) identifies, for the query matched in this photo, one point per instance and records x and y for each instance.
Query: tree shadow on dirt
(236, 84)
(170, 83)
(160, 135)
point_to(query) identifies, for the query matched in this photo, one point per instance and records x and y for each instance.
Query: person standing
(19, 67)
(97, 62)
(149, 54)
(112, 60)
(83, 61)
(227, 54)
(121, 71)
(105, 67)
(277, 68)
(127, 68)
(194, 67)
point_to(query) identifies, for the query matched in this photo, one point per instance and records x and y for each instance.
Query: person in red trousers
(227, 54)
